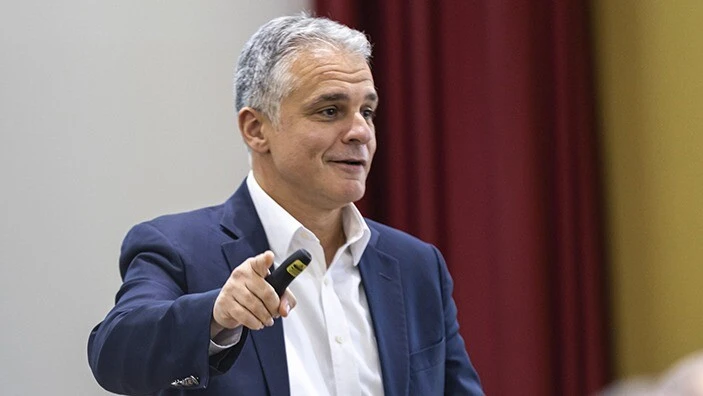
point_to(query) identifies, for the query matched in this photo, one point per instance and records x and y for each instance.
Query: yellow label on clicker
(296, 267)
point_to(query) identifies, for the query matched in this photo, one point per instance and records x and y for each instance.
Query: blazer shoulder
(186, 232)
(396, 242)
(188, 223)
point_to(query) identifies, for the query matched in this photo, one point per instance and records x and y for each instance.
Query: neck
(327, 228)
(326, 224)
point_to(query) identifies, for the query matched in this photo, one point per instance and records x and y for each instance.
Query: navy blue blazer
(155, 340)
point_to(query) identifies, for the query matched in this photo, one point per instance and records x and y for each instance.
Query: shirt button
(326, 281)
(339, 339)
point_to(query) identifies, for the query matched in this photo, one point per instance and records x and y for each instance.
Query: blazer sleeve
(460, 376)
(156, 333)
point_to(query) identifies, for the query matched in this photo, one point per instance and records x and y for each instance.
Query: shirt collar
(281, 228)
(356, 230)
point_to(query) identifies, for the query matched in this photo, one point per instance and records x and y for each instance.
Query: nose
(361, 130)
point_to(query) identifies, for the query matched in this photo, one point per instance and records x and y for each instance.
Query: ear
(251, 125)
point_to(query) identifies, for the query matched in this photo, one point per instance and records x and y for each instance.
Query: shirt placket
(340, 342)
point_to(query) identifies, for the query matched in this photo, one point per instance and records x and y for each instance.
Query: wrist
(215, 328)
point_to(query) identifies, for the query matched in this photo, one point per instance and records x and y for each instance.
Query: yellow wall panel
(649, 68)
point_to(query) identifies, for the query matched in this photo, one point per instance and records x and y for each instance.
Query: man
(371, 315)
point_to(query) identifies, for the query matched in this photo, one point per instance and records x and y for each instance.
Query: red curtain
(487, 148)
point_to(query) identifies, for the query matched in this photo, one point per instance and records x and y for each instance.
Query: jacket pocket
(427, 370)
(428, 357)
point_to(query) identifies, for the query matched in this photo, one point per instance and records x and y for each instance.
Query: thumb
(261, 263)
(288, 302)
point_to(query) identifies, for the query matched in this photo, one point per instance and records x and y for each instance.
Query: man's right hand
(247, 299)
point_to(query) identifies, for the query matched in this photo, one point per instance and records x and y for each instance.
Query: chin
(358, 195)
(352, 193)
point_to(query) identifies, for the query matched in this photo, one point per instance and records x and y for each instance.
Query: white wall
(111, 112)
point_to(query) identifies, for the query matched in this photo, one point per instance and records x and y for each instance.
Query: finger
(257, 285)
(287, 303)
(223, 313)
(253, 301)
(247, 309)
(241, 314)
(236, 304)
(261, 263)
(261, 300)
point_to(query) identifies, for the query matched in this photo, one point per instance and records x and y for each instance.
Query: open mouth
(351, 162)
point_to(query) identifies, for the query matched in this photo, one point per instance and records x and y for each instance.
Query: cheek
(301, 156)
(316, 146)
(372, 147)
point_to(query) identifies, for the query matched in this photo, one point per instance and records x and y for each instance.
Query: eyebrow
(339, 97)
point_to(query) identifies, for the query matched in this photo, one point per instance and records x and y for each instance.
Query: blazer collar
(239, 218)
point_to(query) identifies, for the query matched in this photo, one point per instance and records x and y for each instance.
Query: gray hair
(263, 76)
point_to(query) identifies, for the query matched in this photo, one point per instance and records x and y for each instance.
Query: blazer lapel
(269, 343)
(249, 239)
(380, 275)
(241, 222)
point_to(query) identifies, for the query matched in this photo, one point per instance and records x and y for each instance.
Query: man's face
(321, 149)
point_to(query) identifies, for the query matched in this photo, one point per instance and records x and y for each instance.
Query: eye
(368, 114)
(329, 112)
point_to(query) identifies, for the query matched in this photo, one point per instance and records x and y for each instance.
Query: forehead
(326, 69)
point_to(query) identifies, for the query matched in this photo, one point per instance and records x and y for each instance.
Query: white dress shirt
(329, 338)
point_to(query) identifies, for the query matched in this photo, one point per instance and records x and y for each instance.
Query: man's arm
(156, 333)
(460, 376)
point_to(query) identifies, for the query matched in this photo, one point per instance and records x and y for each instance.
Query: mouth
(351, 166)
(356, 162)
